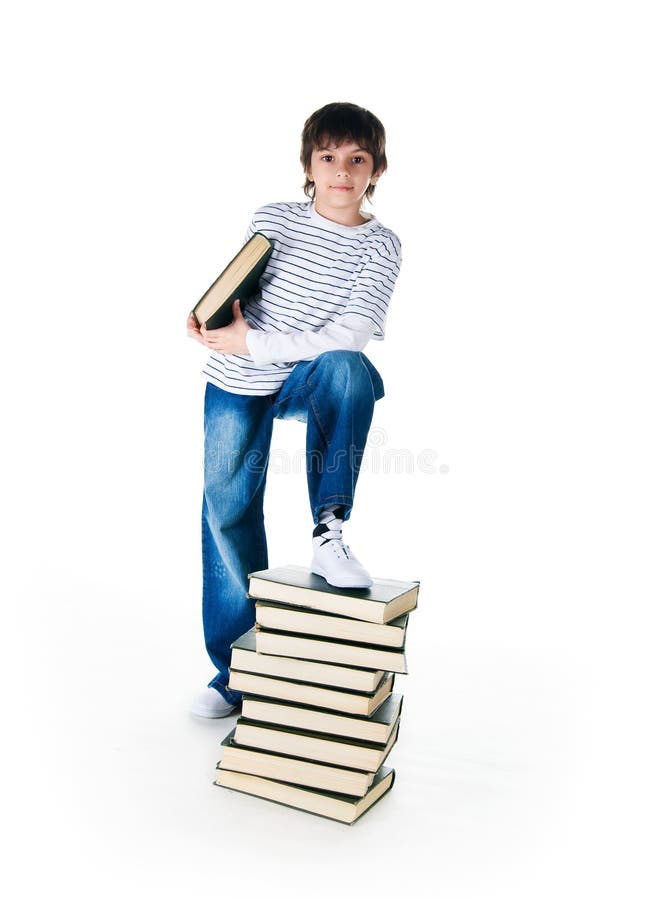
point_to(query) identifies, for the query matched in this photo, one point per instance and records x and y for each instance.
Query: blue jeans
(334, 395)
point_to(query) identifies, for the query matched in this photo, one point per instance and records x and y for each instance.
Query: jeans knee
(337, 359)
(344, 371)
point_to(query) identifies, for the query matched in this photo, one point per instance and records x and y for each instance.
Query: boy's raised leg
(334, 394)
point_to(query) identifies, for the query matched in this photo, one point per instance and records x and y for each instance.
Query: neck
(348, 217)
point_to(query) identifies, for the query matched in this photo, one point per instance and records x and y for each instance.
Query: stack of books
(319, 713)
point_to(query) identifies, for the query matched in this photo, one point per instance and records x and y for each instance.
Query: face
(341, 175)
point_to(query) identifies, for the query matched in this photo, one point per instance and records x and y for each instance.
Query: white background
(139, 138)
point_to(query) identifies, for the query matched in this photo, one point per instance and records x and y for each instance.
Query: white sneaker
(337, 563)
(211, 705)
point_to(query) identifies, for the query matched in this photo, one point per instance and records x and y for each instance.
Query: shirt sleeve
(348, 332)
(364, 318)
(375, 283)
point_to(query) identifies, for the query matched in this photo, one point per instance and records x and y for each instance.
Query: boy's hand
(193, 329)
(231, 338)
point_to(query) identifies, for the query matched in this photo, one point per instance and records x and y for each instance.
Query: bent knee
(342, 365)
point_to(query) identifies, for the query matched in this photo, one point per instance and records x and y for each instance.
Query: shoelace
(334, 538)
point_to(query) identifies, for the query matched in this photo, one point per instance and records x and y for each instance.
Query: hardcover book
(244, 658)
(335, 750)
(292, 770)
(384, 601)
(282, 617)
(322, 803)
(281, 644)
(352, 702)
(238, 280)
(376, 728)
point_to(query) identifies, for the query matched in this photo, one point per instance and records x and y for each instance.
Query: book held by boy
(238, 280)
(343, 808)
(297, 586)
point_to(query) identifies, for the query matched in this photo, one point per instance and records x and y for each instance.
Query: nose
(343, 169)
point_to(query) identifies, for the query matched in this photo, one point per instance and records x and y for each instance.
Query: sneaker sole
(204, 713)
(350, 583)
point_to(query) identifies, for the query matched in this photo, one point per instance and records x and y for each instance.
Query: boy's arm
(366, 315)
(349, 332)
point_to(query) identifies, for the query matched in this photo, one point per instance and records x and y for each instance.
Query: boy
(296, 353)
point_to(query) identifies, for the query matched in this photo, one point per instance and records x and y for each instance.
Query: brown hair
(338, 123)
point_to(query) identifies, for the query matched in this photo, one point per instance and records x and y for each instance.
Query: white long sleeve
(349, 332)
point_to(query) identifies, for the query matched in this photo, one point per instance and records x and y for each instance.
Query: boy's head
(343, 123)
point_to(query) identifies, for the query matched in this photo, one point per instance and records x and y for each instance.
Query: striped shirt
(326, 286)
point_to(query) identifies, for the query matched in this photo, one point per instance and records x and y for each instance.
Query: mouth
(340, 187)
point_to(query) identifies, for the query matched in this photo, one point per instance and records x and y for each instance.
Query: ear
(376, 176)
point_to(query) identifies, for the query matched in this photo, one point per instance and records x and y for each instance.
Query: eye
(326, 157)
(360, 158)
